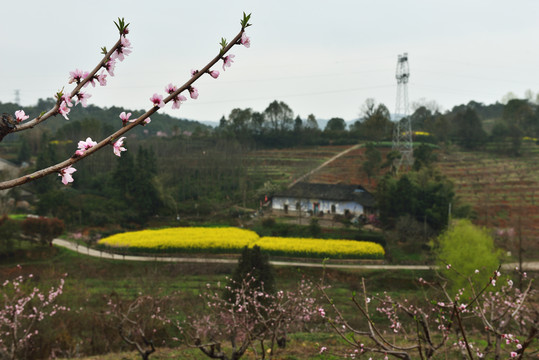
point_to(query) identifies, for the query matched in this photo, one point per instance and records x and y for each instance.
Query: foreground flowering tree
(499, 315)
(105, 68)
(136, 321)
(248, 319)
(23, 306)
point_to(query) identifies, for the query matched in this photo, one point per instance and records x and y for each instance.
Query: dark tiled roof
(337, 192)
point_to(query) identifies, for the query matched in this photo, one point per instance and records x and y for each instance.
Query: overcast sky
(319, 57)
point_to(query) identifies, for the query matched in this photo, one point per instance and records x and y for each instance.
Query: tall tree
(311, 122)
(468, 129)
(424, 156)
(521, 120)
(376, 124)
(298, 124)
(373, 161)
(239, 121)
(336, 125)
(279, 116)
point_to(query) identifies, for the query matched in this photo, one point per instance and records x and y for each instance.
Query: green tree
(279, 116)
(47, 157)
(424, 156)
(425, 195)
(145, 194)
(373, 162)
(253, 263)
(521, 120)
(376, 124)
(24, 153)
(336, 125)
(467, 248)
(298, 124)
(421, 118)
(468, 129)
(44, 229)
(134, 184)
(9, 232)
(239, 121)
(521, 113)
(311, 122)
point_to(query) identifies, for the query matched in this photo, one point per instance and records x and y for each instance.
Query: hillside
(162, 123)
(503, 191)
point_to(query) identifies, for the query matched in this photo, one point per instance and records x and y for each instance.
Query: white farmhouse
(338, 199)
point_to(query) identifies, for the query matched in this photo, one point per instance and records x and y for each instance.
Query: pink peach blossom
(214, 74)
(177, 101)
(65, 173)
(157, 100)
(109, 66)
(193, 92)
(118, 146)
(123, 50)
(125, 117)
(67, 100)
(228, 60)
(82, 98)
(85, 145)
(76, 76)
(64, 110)
(169, 89)
(102, 78)
(245, 40)
(20, 115)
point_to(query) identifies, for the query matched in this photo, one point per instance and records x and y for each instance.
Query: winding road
(527, 266)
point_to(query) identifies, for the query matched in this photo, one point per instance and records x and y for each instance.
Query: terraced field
(347, 170)
(283, 166)
(504, 192)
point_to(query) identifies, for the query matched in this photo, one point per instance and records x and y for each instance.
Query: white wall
(278, 203)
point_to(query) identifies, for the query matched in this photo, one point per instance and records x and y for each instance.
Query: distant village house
(337, 199)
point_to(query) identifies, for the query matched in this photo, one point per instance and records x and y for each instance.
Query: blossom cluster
(105, 68)
(250, 317)
(23, 307)
(123, 49)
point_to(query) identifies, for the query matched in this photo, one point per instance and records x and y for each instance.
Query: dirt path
(529, 266)
(302, 177)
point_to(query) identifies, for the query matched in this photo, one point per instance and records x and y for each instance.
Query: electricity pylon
(402, 133)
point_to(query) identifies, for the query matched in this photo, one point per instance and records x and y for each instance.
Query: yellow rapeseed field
(193, 239)
(185, 238)
(321, 247)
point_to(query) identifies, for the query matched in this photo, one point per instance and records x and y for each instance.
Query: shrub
(466, 248)
(254, 264)
(42, 228)
(314, 227)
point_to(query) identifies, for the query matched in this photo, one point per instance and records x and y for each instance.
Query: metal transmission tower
(17, 97)
(402, 134)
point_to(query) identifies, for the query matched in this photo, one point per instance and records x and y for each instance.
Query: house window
(298, 206)
(286, 208)
(333, 209)
(316, 207)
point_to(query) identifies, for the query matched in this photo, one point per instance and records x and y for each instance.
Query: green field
(90, 280)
